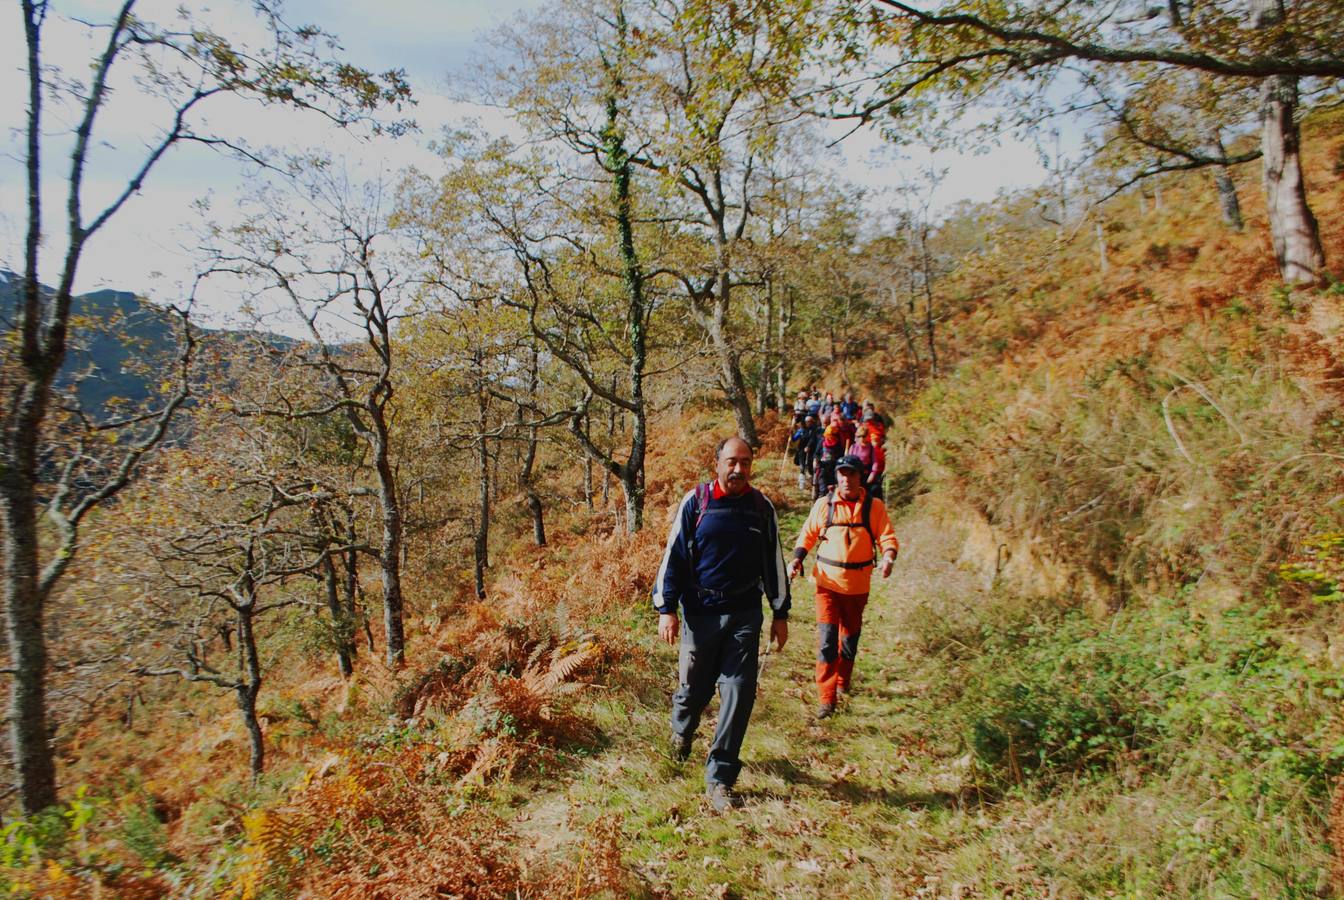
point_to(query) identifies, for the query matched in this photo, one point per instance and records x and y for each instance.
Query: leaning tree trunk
(249, 686)
(1292, 227)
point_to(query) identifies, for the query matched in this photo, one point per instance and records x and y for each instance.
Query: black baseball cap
(850, 461)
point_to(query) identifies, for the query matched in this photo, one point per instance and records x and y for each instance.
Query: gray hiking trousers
(718, 649)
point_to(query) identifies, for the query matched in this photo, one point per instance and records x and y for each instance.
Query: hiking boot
(722, 797)
(679, 747)
(825, 711)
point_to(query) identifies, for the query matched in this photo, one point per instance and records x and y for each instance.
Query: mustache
(736, 476)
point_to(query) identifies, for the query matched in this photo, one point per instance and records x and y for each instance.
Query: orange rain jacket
(846, 541)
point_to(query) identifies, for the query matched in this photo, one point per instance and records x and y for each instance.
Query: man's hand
(795, 568)
(669, 628)
(779, 631)
(887, 562)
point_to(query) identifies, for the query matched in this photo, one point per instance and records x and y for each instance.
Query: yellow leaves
(56, 874)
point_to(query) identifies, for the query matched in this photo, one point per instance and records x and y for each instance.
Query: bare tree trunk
(911, 349)
(1292, 227)
(611, 443)
(30, 742)
(481, 544)
(1228, 201)
(926, 270)
(249, 686)
(730, 370)
(588, 490)
(783, 370)
(1102, 260)
(350, 560)
(1227, 198)
(342, 628)
(765, 393)
(529, 460)
(929, 333)
(533, 498)
(390, 555)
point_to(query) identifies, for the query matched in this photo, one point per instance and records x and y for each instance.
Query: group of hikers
(723, 553)
(824, 430)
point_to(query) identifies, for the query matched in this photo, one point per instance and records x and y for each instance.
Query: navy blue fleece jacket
(727, 562)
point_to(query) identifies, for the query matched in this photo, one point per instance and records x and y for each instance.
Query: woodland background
(364, 611)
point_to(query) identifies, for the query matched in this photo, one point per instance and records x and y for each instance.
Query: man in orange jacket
(850, 530)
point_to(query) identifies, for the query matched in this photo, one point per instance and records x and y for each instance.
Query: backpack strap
(868, 518)
(865, 521)
(703, 494)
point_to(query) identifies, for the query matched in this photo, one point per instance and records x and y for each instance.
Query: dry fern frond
(544, 681)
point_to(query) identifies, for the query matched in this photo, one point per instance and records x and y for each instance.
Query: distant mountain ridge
(124, 342)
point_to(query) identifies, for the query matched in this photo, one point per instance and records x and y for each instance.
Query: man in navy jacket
(722, 554)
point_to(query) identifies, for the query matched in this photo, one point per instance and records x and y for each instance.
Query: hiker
(877, 468)
(831, 449)
(874, 423)
(827, 407)
(849, 430)
(862, 450)
(814, 404)
(799, 408)
(849, 408)
(850, 529)
(722, 553)
(805, 450)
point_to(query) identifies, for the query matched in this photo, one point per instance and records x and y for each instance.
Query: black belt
(731, 593)
(845, 565)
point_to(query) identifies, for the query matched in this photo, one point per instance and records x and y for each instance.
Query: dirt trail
(860, 803)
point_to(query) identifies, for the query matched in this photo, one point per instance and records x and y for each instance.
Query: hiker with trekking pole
(852, 534)
(722, 554)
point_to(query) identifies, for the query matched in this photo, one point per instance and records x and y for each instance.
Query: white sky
(147, 247)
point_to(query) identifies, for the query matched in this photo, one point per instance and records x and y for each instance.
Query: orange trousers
(839, 620)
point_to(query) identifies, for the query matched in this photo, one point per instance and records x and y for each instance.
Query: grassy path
(869, 803)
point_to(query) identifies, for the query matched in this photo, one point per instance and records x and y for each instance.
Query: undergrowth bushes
(1215, 714)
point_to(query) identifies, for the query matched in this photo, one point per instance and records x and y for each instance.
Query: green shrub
(1162, 686)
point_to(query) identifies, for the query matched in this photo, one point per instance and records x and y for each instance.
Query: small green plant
(1319, 567)
(1284, 299)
